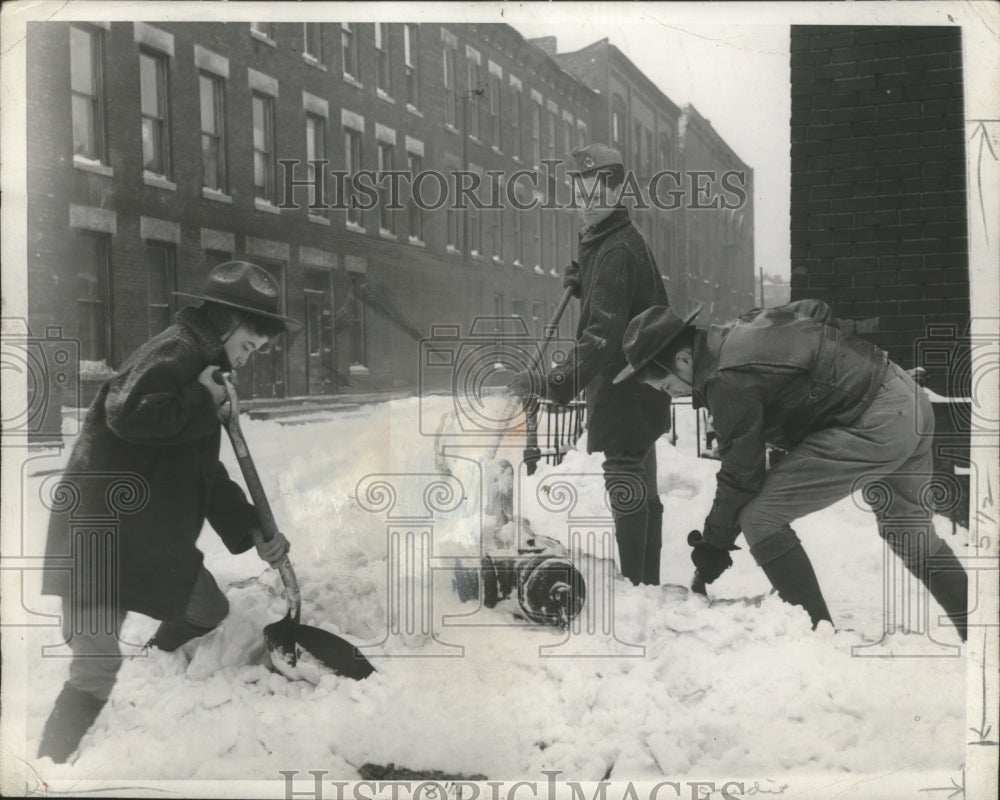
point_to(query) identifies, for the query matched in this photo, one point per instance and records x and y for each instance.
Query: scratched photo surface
(317, 479)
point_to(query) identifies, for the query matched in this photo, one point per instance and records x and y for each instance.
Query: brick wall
(878, 206)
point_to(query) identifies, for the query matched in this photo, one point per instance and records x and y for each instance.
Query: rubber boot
(654, 543)
(793, 577)
(72, 716)
(630, 534)
(171, 635)
(948, 583)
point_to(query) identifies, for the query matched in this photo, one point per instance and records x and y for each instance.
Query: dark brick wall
(878, 205)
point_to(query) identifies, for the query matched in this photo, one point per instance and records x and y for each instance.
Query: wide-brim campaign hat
(648, 333)
(244, 286)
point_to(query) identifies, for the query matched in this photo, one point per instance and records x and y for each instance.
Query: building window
(316, 152)
(518, 237)
(553, 245)
(215, 257)
(664, 152)
(536, 133)
(312, 41)
(539, 257)
(473, 121)
(618, 124)
(213, 132)
(410, 60)
(581, 134)
(263, 29)
(552, 134)
(517, 311)
(383, 77)
(498, 251)
(414, 163)
(516, 122)
(649, 152)
(160, 283)
(475, 222)
(154, 108)
(263, 147)
(356, 325)
(352, 163)
(567, 136)
(87, 86)
(538, 317)
(451, 91)
(349, 47)
(93, 296)
(637, 142)
(494, 90)
(386, 216)
(452, 229)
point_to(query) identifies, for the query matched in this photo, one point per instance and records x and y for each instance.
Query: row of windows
(479, 111)
(88, 134)
(95, 312)
(644, 158)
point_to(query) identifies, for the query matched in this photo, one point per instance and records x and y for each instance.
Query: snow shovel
(286, 637)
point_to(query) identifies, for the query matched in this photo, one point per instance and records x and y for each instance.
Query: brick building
(705, 253)
(878, 202)
(718, 240)
(218, 107)
(157, 150)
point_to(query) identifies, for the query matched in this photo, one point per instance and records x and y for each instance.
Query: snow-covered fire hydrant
(538, 577)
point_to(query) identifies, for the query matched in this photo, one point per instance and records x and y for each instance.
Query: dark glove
(571, 278)
(708, 559)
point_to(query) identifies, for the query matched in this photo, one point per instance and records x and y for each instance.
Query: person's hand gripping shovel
(286, 638)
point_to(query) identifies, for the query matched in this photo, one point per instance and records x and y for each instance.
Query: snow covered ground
(714, 690)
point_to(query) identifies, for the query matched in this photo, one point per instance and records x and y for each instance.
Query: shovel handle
(268, 527)
(550, 332)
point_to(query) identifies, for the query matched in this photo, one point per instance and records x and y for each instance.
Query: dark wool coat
(155, 422)
(773, 377)
(619, 279)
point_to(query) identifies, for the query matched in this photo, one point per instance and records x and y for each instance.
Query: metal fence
(552, 430)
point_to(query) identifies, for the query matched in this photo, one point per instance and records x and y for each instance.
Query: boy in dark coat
(615, 280)
(156, 423)
(789, 377)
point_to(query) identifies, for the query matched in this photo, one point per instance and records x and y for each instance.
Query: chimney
(546, 44)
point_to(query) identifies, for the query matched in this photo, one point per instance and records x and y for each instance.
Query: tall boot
(72, 716)
(654, 543)
(948, 583)
(630, 534)
(171, 635)
(793, 576)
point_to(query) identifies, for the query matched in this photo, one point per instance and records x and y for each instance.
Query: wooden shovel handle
(268, 527)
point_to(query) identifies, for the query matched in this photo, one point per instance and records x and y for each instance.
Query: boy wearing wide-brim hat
(789, 377)
(156, 424)
(616, 279)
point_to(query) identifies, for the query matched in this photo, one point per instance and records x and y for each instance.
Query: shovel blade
(285, 636)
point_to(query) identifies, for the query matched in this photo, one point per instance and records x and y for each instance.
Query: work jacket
(773, 377)
(619, 279)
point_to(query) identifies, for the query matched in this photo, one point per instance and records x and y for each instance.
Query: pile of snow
(680, 687)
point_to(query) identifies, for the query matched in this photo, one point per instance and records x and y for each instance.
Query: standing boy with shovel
(616, 279)
(158, 419)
